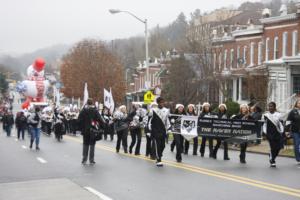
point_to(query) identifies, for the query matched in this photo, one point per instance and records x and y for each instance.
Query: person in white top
(273, 129)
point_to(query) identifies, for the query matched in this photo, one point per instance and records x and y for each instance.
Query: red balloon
(25, 105)
(39, 64)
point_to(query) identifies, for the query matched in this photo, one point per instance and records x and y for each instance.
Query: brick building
(260, 62)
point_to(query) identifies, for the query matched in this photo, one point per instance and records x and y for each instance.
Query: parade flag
(57, 97)
(85, 94)
(107, 100)
(112, 108)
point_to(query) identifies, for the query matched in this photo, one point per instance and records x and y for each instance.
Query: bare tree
(89, 61)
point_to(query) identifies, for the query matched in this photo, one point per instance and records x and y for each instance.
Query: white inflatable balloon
(31, 88)
(31, 71)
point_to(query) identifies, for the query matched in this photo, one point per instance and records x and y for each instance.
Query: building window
(252, 54)
(276, 51)
(296, 84)
(225, 59)
(259, 53)
(284, 43)
(295, 43)
(231, 58)
(238, 56)
(245, 56)
(267, 49)
(215, 61)
(220, 61)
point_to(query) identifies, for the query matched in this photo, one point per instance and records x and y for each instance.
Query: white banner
(189, 126)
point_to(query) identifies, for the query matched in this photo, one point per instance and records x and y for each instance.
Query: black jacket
(294, 118)
(8, 120)
(21, 122)
(86, 116)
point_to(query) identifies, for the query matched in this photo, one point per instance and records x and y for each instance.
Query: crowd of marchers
(152, 121)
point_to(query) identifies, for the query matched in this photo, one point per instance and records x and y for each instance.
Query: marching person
(135, 128)
(87, 116)
(207, 113)
(222, 114)
(158, 125)
(8, 122)
(243, 115)
(59, 125)
(150, 143)
(121, 126)
(293, 123)
(273, 129)
(178, 138)
(191, 112)
(21, 124)
(109, 130)
(34, 122)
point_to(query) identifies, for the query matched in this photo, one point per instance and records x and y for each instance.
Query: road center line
(213, 173)
(24, 147)
(41, 160)
(97, 193)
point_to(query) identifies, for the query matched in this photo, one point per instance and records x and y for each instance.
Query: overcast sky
(27, 25)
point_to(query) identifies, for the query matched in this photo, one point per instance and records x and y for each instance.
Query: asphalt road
(128, 177)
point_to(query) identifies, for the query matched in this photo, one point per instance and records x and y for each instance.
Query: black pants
(21, 131)
(275, 145)
(243, 147)
(136, 134)
(159, 142)
(122, 137)
(88, 150)
(187, 146)
(150, 147)
(178, 140)
(225, 144)
(48, 126)
(203, 143)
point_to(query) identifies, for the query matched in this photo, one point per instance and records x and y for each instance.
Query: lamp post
(115, 11)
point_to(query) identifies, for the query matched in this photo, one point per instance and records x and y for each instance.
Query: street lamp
(115, 11)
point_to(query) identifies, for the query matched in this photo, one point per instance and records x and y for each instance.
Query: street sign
(149, 97)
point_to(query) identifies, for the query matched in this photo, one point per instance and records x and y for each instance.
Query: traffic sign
(149, 97)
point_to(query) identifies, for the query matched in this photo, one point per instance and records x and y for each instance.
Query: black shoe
(243, 161)
(202, 154)
(137, 154)
(92, 162)
(130, 151)
(83, 162)
(152, 157)
(125, 151)
(195, 153)
(226, 158)
(117, 150)
(37, 148)
(30, 146)
(179, 160)
(214, 156)
(185, 153)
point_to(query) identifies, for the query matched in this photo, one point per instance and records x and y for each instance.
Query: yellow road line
(199, 170)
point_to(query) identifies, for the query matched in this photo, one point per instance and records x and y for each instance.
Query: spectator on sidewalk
(21, 124)
(293, 123)
(8, 122)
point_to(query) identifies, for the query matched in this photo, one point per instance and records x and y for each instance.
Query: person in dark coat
(86, 117)
(178, 138)
(121, 125)
(207, 113)
(293, 125)
(21, 124)
(8, 122)
(158, 125)
(243, 115)
(221, 115)
(273, 129)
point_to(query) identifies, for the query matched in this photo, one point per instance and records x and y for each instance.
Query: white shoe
(273, 165)
(159, 164)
